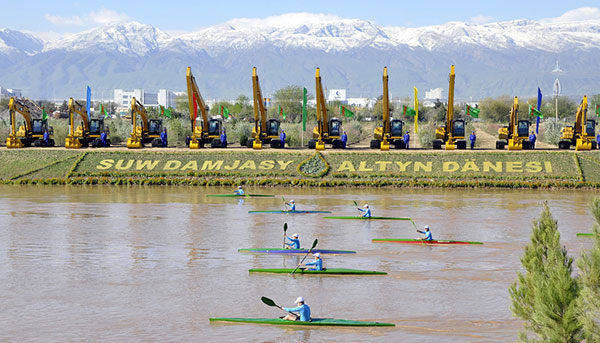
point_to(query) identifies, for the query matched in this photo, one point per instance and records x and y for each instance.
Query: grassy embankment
(303, 168)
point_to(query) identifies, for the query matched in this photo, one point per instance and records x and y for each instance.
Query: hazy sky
(175, 15)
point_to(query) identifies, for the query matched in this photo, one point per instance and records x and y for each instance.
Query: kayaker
(302, 309)
(427, 234)
(366, 210)
(291, 205)
(295, 242)
(239, 191)
(317, 263)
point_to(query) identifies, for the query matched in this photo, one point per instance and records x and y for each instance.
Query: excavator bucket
(13, 143)
(257, 144)
(583, 145)
(450, 145)
(320, 145)
(134, 142)
(385, 145)
(515, 144)
(72, 143)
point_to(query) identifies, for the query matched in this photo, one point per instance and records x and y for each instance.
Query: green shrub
(426, 135)
(550, 131)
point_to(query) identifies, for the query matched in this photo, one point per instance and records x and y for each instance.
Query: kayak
(295, 251)
(314, 322)
(333, 271)
(364, 218)
(290, 212)
(241, 196)
(418, 241)
(585, 234)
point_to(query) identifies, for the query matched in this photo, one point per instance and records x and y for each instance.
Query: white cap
(366, 205)
(239, 187)
(317, 255)
(291, 200)
(427, 227)
(295, 235)
(299, 300)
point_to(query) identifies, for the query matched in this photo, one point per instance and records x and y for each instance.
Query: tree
(588, 303)
(566, 108)
(290, 99)
(496, 110)
(545, 296)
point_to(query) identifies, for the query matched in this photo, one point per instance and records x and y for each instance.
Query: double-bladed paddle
(284, 235)
(271, 303)
(309, 251)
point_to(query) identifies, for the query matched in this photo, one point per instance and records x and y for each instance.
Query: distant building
(432, 96)
(8, 92)
(163, 97)
(337, 95)
(362, 102)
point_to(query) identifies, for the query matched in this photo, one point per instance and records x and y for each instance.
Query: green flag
(408, 111)
(224, 112)
(598, 110)
(472, 111)
(165, 111)
(534, 112)
(281, 112)
(304, 100)
(44, 114)
(346, 112)
(103, 111)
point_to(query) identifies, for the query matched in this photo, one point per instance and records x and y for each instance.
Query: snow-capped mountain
(512, 57)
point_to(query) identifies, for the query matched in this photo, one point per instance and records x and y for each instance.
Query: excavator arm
(450, 109)
(135, 141)
(260, 114)
(195, 100)
(76, 107)
(581, 116)
(322, 129)
(14, 106)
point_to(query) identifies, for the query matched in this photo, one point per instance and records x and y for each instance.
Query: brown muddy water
(119, 264)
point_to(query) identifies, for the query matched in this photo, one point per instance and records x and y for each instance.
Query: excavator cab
(38, 126)
(154, 127)
(590, 127)
(396, 126)
(272, 127)
(214, 127)
(96, 126)
(458, 128)
(523, 128)
(335, 127)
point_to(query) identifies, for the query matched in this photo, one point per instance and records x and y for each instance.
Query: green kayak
(314, 322)
(585, 234)
(332, 271)
(240, 196)
(370, 218)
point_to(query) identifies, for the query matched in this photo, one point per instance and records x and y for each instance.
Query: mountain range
(513, 57)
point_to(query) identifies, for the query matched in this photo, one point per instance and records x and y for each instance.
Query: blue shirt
(239, 191)
(163, 136)
(291, 206)
(46, 137)
(295, 243)
(317, 263)
(103, 138)
(472, 137)
(303, 310)
(282, 136)
(344, 138)
(406, 138)
(223, 137)
(532, 138)
(598, 138)
(367, 212)
(428, 236)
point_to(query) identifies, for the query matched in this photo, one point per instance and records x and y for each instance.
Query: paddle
(271, 303)
(309, 251)
(355, 204)
(284, 207)
(284, 231)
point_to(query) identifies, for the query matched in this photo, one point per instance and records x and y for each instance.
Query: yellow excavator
(264, 131)
(453, 132)
(327, 131)
(209, 130)
(90, 130)
(148, 132)
(33, 129)
(516, 134)
(391, 131)
(581, 134)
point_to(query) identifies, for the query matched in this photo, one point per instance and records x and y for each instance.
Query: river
(147, 264)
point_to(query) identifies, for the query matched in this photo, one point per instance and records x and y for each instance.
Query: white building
(8, 92)
(337, 95)
(163, 97)
(362, 102)
(432, 96)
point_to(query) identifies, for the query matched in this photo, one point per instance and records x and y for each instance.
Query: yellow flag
(417, 111)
